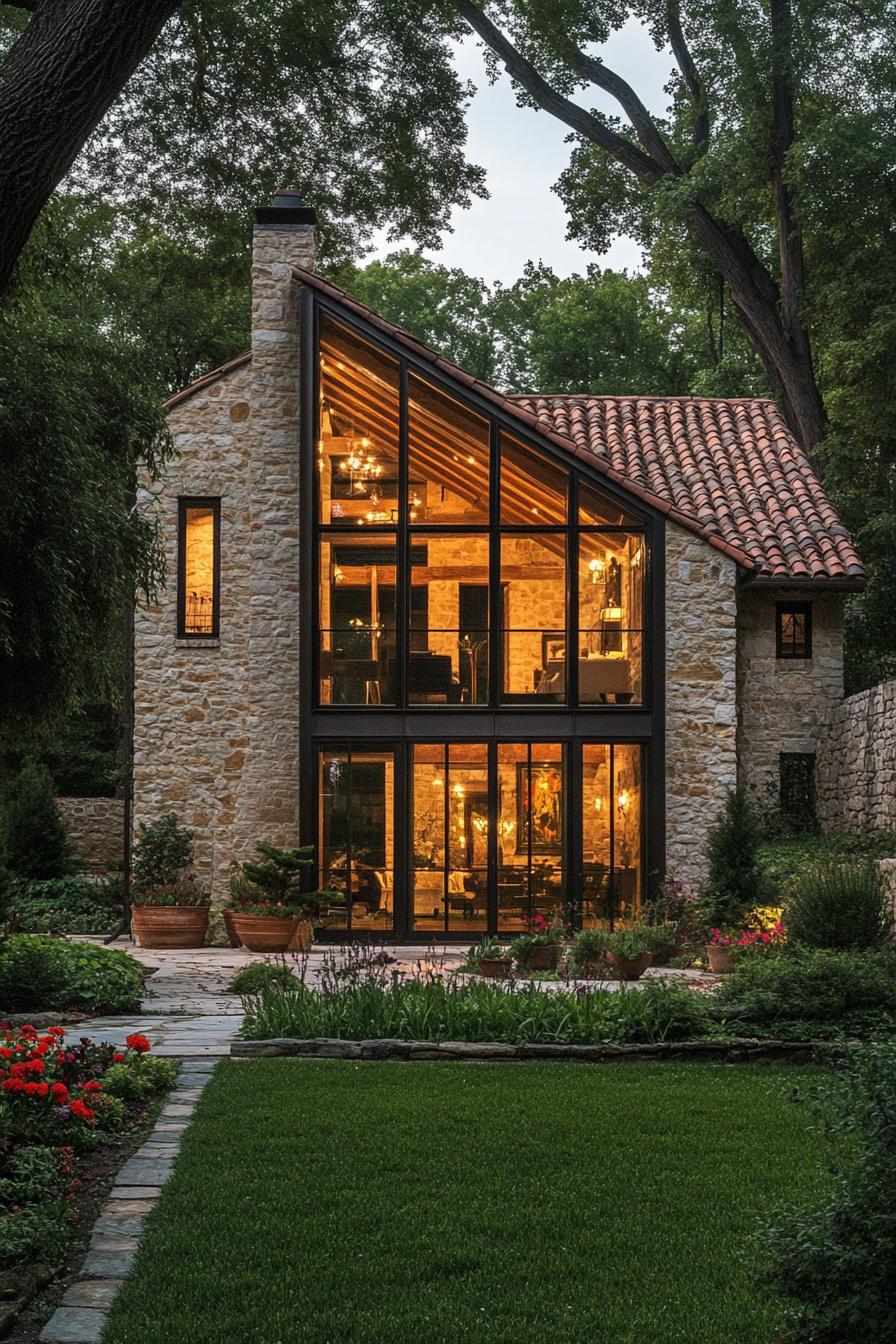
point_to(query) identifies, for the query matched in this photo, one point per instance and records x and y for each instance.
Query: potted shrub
(168, 909)
(488, 958)
(664, 943)
(539, 949)
(720, 951)
(674, 911)
(270, 912)
(628, 952)
(587, 958)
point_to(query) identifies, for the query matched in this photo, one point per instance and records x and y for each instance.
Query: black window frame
(184, 503)
(791, 654)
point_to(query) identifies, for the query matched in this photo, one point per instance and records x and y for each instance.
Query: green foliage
(588, 948)
(735, 882)
(435, 1010)
(833, 1259)
(185, 892)
(35, 843)
(842, 906)
(259, 975)
(276, 880)
(38, 974)
(77, 412)
(630, 943)
(781, 861)
(65, 905)
(488, 948)
(162, 851)
(139, 1077)
(816, 985)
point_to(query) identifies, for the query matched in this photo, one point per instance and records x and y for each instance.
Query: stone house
(491, 655)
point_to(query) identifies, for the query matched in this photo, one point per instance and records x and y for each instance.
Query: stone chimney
(267, 806)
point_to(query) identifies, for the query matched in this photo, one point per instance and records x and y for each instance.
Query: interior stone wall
(95, 828)
(701, 708)
(783, 703)
(856, 763)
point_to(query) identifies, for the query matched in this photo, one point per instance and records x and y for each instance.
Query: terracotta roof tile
(732, 465)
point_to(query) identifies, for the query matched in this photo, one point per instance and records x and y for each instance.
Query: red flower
(81, 1112)
(117, 1057)
(5, 1052)
(138, 1043)
(57, 1031)
(92, 1086)
(59, 1093)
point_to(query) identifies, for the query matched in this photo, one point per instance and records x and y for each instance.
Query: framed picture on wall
(553, 649)
(542, 812)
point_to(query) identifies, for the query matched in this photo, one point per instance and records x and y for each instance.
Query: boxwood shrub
(41, 974)
(808, 985)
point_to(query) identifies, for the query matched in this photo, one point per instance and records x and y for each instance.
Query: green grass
(327, 1202)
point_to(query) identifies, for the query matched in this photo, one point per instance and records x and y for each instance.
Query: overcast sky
(523, 154)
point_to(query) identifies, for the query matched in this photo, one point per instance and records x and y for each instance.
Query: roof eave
(843, 583)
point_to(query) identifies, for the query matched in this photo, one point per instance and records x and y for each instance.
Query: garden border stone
(81, 1316)
(736, 1050)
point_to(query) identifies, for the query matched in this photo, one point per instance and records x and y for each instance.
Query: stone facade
(856, 763)
(701, 713)
(783, 703)
(95, 828)
(216, 720)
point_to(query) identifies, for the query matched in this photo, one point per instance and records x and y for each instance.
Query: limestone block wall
(216, 720)
(192, 697)
(856, 763)
(95, 828)
(701, 709)
(783, 703)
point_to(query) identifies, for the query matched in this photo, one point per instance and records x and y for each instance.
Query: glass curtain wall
(356, 847)
(612, 792)
(450, 837)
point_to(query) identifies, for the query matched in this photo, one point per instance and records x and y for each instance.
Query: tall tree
(722, 163)
(191, 122)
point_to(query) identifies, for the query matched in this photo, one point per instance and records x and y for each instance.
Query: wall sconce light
(611, 614)
(623, 800)
(598, 804)
(596, 568)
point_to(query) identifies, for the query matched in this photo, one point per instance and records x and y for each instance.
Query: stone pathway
(116, 1234)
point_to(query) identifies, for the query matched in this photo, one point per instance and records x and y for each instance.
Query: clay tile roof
(729, 470)
(733, 465)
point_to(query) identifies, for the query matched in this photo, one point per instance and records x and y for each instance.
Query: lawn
(328, 1202)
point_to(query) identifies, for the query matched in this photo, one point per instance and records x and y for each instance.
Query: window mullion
(402, 592)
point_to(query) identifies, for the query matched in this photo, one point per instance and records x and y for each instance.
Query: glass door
(356, 846)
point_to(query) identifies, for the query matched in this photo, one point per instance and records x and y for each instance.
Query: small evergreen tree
(279, 874)
(34, 836)
(162, 852)
(735, 883)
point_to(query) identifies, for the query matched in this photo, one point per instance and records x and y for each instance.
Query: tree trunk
(56, 83)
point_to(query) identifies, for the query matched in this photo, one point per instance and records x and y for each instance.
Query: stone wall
(856, 762)
(95, 828)
(701, 654)
(216, 720)
(783, 702)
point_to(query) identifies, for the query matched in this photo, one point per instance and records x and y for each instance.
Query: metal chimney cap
(287, 207)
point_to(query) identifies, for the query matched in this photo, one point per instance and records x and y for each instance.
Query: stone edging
(81, 1317)
(735, 1051)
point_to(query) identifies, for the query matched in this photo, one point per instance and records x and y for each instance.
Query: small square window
(199, 568)
(793, 630)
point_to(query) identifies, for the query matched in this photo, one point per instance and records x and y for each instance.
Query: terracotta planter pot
(629, 968)
(721, 959)
(542, 959)
(495, 968)
(231, 932)
(303, 937)
(264, 933)
(170, 925)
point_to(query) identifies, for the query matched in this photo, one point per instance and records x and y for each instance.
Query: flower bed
(58, 1103)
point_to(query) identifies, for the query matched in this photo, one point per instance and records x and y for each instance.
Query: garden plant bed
(513, 1205)
(736, 1050)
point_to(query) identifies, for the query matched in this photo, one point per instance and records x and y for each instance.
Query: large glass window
(358, 425)
(419, 601)
(449, 862)
(611, 833)
(532, 808)
(357, 842)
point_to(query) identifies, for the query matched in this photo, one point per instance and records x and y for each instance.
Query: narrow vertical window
(199, 526)
(793, 630)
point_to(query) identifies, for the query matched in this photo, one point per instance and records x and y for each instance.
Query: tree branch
(645, 168)
(689, 73)
(57, 81)
(642, 122)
